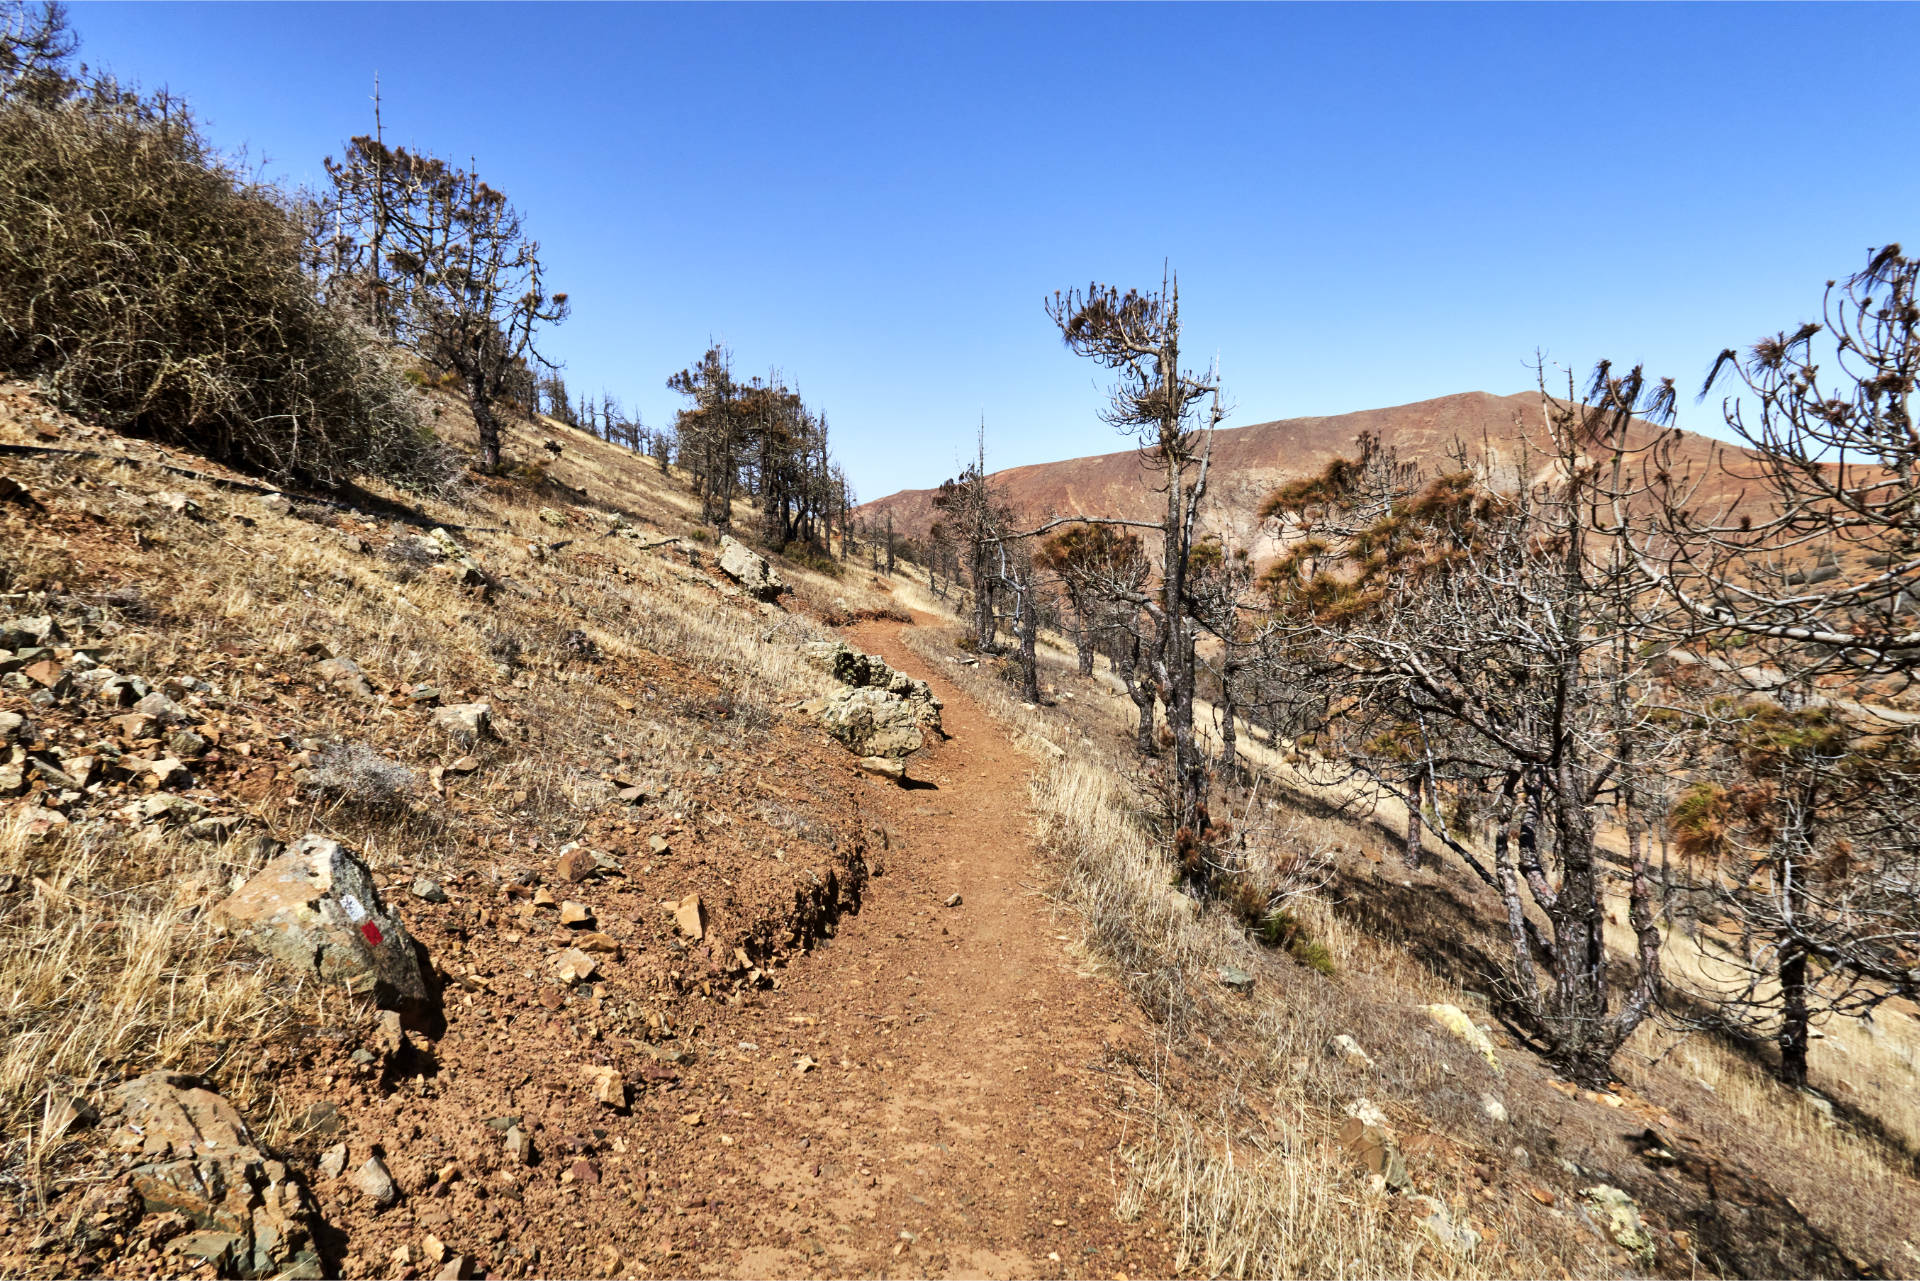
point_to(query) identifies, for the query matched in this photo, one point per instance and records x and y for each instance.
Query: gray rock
(163, 709)
(1620, 1215)
(333, 1162)
(868, 671)
(186, 742)
(1232, 976)
(20, 633)
(1456, 1238)
(345, 674)
(1494, 1110)
(375, 1183)
(749, 569)
(872, 722)
(13, 725)
(278, 504)
(1347, 1050)
(428, 890)
(196, 1158)
(315, 910)
(465, 721)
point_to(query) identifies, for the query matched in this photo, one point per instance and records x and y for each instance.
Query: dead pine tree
(451, 272)
(1137, 336)
(1488, 633)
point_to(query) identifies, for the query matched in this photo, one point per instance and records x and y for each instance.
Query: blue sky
(1367, 204)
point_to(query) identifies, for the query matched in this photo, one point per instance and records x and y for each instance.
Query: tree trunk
(1140, 690)
(1415, 786)
(1029, 637)
(1229, 732)
(485, 424)
(1793, 1017)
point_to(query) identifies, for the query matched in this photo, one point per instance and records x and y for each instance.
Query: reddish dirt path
(978, 1134)
(936, 1091)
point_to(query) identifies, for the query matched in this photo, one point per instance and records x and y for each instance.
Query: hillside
(955, 1025)
(1250, 462)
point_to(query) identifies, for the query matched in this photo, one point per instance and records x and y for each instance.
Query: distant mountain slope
(1249, 462)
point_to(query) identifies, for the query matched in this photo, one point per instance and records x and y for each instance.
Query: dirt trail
(935, 1091)
(977, 1136)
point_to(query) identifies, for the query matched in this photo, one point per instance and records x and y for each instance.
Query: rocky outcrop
(872, 722)
(315, 910)
(749, 569)
(251, 1217)
(868, 671)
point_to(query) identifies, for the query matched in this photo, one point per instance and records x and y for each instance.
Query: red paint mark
(372, 932)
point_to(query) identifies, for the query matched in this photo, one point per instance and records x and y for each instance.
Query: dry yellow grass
(106, 967)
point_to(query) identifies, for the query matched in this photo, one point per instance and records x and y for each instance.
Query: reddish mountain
(1250, 462)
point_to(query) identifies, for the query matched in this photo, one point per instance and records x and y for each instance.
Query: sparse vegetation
(167, 296)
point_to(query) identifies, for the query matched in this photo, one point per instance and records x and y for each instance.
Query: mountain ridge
(1250, 461)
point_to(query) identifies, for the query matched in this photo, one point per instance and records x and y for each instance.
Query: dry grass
(105, 964)
(107, 971)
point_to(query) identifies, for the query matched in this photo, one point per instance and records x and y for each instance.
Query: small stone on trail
(691, 916)
(428, 890)
(576, 865)
(572, 913)
(658, 844)
(1495, 1110)
(631, 795)
(373, 1180)
(607, 1088)
(458, 1268)
(519, 1147)
(884, 766)
(574, 966)
(953, 900)
(465, 765)
(552, 998)
(595, 941)
(542, 897)
(333, 1162)
(1232, 976)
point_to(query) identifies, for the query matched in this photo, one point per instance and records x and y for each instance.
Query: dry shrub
(356, 777)
(158, 292)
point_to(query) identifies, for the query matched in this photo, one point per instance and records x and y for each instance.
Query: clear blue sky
(1367, 204)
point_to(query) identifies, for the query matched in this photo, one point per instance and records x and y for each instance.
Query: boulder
(20, 633)
(345, 673)
(868, 671)
(872, 722)
(1452, 1236)
(465, 721)
(1376, 1150)
(1348, 1051)
(197, 1159)
(1620, 1216)
(315, 911)
(749, 569)
(1455, 1020)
